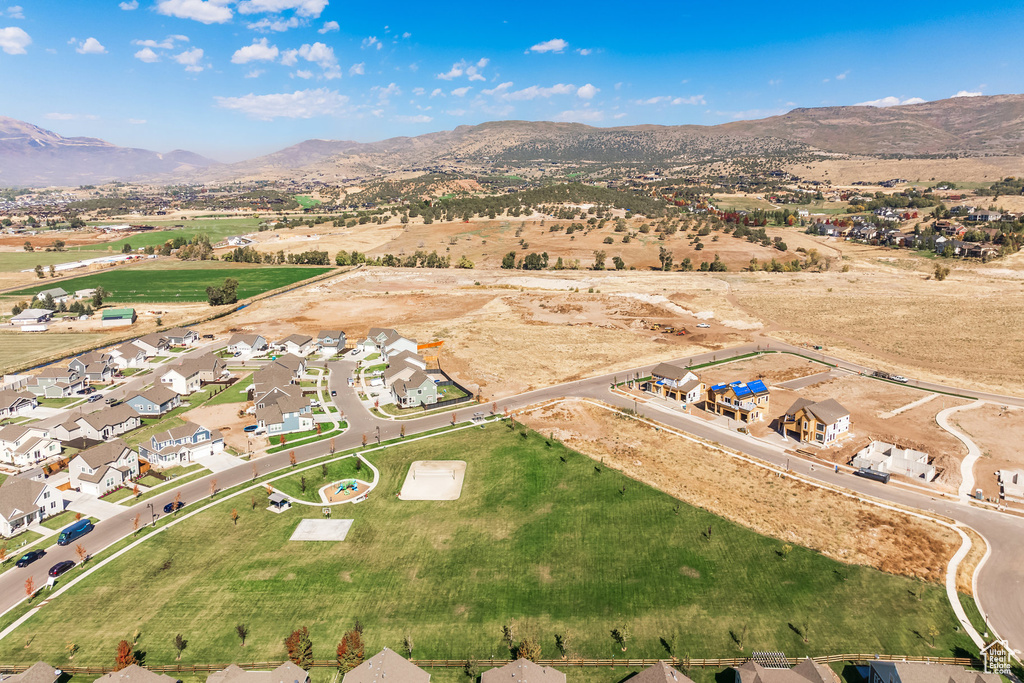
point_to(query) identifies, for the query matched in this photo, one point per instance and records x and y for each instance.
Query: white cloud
(13, 40)
(418, 118)
(301, 104)
(137, 122)
(419, 91)
(303, 74)
(587, 91)
(504, 92)
(255, 73)
(693, 99)
(320, 54)
(260, 50)
(668, 99)
(357, 69)
(191, 59)
(968, 93)
(461, 92)
(842, 76)
(57, 116)
(437, 92)
(147, 55)
(165, 44)
(553, 45)
(266, 25)
(91, 46)
(581, 115)
(407, 35)
(384, 93)
(203, 11)
(129, 6)
(774, 81)
(371, 41)
(329, 26)
(890, 101)
(620, 115)
(464, 68)
(302, 8)
(16, 12)
(585, 51)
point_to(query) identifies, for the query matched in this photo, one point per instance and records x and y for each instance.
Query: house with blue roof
(743, 401)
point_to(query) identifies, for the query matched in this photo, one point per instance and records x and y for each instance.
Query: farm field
(216, 229)
(169, 286)
(540, 534)
(21, 347)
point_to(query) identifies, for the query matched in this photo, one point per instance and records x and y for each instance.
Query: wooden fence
(684, 663)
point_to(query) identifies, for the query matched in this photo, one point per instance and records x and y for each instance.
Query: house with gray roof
(522, 671)
(247, 343)
(660, 673)
(297, 344)
(288, 672)
(128, 355)
(675, 382)
(58, 294)
(387, 665)
(153, 344)
(135, 674)
(419, 389)
(181, 444)
(181, 336)
(24, 501)
(26, 445)
(926, 672)
(821, 423)
(32, 316)
(108, 423)
(103, 468)
(807, 671)
(40, 672)
(15, 403)
(330, 342)
(56, 382)
(154, 401)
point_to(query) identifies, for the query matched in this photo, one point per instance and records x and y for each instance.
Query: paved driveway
(91, 506)
(219, 462)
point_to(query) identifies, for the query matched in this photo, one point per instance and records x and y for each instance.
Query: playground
(434, 480)
(344, 491)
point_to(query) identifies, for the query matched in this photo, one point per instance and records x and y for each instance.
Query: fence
(685, 663)
(447, 382)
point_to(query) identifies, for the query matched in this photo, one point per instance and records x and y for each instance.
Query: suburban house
(268, 379)
(106, 424)
(660, 673)
(387, 342)
(40, 672)
(297, 344)
(56, 293)
(103, 468)
(247, 343)
(181, 444)
(286, 673)
(56, 382)
(926, 672)
(135, 674)
(94, 366)
(114, 317)
(296, 365)
(387, 665)
(746, 402)
(154, 401)
(189, 375)
(984, 216)
(32, 316)
(239, 241)
(770, 671)
(330, 342)
(283, 412)
(886, 457)
(128, 356)
(416, 390)
(14, 403)
(522, 670)
(26, 445)
(179, 336)
(674, 382)
(819, 423)
(152, 344)
(24, 501)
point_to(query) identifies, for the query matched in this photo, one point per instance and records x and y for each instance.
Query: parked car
(333, 392)
(30, 557)
(899, 378)
(703, 325)
(250, 428)
(172, 506)
(61, 567)
(111, 401)
(94, 398)
(207, 336)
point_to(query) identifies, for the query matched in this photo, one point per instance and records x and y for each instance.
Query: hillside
(34, 156)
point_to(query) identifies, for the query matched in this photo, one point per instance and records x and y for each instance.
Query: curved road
(998, 582)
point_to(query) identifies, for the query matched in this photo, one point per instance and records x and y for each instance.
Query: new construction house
(743, 401)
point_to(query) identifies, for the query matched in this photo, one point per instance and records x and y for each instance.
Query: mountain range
(966, 126)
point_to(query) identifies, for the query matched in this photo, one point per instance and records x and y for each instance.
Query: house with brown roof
(127, 355)
(288, 672)
(94, 366)
(40, 672)
(522, 671)
(247, 343)
(154, 401)
(135, 674)
(103, 468)
(14, 403)
(24, 501)
(386, 665)
(152, 344)
(660, 673)
(26, 445)
(330, 342)
(822, 423)
(108, 423)
(180, 336)
(280, 412)
(297, 344)
(56, 382)
(926, 672)
(675, 383)
(807, 671)
(181, 444)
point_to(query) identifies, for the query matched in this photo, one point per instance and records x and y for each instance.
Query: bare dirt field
(998, 431)
(771, 368)
(794, 512)
(225, 418)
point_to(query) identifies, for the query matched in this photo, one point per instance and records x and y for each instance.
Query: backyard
(541, 534)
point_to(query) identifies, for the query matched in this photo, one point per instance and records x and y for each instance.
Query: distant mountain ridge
(34, 156)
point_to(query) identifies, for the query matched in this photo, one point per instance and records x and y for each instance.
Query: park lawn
(63, 519)
(166, 286)
(162, 486)
(340, 469)
(540, 534)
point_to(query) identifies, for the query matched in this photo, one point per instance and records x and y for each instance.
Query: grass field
(540, 534)
(236, 393)
(168, 286)
(306, 202)
(342, 469)
(215, 229)
(21, 347)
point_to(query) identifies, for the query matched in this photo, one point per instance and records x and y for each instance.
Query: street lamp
(152, 513)
(378, 434)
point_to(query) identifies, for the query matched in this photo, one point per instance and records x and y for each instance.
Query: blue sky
(235, 78)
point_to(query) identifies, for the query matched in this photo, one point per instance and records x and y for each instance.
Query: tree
(126, 249)
(81, 553)
(39, 271)
(621, 636)
(528, 648)
(180, 644)
(300, 648)
(136, 522)
(932, 632)
(234, 518)
(135, 490)
(177, 501)
(30, 587)
(53, 270)
(563, 641)
(98, 296)
(213, 488)
(508, 262)
(508, 633)
(241, 629)
(350, 651)
(28, 246)
(125, 656)
(941, 272)
(619, 263)
(3, 554)
(291, 459)
(599, 257)
(408, 645)
(71, 648)
(665, 256)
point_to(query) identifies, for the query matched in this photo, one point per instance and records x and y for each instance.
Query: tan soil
(998, 431)
(846, 530)
(225, 418)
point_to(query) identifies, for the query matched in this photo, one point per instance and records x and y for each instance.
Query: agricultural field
(20, 348)
(541, 534)
(186, 284)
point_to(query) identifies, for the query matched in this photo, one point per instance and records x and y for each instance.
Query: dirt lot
(998, 431)
(852, 532)
(225, 418)
(771, 368)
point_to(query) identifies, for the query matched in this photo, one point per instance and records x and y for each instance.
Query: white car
(703, 325)
(899, 378)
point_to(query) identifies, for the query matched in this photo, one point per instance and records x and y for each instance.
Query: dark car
(171, 507)
(333, 392)
(61, 567)
(30, 557)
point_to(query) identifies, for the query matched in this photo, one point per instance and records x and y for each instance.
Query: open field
(159, 286)
(540, 535)
(20, 347)
(998, 431)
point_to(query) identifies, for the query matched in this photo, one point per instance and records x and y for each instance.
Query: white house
(14, 403)
(389, 341)
(181, 444)
(108, 423)
(26, 445)
(674, 382)
(247, 343)
(180, 336)
(152, 344)
(24, 501)
(182, 378)
(330, 342)
(58, 294)
(103, 468)
(32, 316)
(128, 356)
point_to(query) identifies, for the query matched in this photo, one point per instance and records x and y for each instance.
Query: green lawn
(342, 469)
(236, 393)
(118, 495)
(306, 202)
(150, 481)
(541, 534)
(215, 229)
(60, 402)
(62, 520)
(448, 392)
(164, 286)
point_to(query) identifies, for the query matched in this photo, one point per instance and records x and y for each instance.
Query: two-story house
(152, 344)
(24, 501)
(181, 444)
(103, 468)
(56, 382)
(743, 401)
(821, 423)
(283, 412)
(296, 344)
(418, 389)
(676, 383)
(128, 355)
(330, 342)
(388, 341)
(94, 366)
(26, 445)
(154, 401)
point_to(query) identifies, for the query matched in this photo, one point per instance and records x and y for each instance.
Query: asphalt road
(998, 583)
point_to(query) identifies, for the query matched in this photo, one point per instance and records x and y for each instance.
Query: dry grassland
(998, 431)
(846, 171)
(841, 528)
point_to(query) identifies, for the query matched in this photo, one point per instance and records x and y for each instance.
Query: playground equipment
(347, 484)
